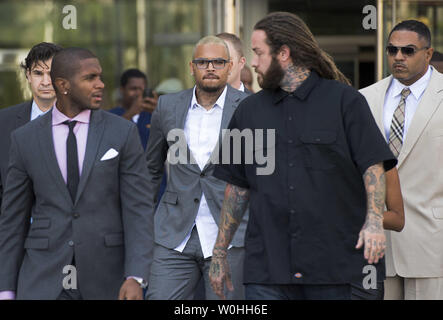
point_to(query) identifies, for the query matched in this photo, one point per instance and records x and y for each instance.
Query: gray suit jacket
(11, 118)
(108, 227)
(179, 205)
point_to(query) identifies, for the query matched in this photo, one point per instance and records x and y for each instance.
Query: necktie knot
(70, 124)
(405, 93)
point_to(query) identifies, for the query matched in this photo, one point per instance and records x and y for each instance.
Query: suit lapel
(231, 103)
(380, 101)
(24, 116)
(181, 112)
(182, 108)
(95, 133)
(47, 146)
(429, 103)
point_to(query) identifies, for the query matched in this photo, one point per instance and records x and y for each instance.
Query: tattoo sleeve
(232, 211)
(375, 184)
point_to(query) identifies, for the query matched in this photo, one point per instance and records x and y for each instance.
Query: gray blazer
(109, 226)
(11, 118)
(179, 205)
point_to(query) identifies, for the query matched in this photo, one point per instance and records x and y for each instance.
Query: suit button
(196, 200)
(71, 243)
(76, 215)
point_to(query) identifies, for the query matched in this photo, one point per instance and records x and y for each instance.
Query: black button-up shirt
(305, 217)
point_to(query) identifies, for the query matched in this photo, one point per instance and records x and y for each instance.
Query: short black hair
(437, 56)
(132, 73)
(40, 52)
(65, 63)
(416, 26)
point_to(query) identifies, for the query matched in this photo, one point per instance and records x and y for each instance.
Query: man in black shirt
(323, 200)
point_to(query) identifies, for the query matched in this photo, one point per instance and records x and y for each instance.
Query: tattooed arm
(372, 234)
(233, 208)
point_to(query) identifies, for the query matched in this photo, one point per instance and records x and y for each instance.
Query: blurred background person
(137, 104)
(238, 59)
(36, 66)
(246, 78)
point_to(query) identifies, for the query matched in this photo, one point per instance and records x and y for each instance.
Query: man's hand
(219, 273)
(149, 104)
(135, 108)
(130, 290)
(373, 237)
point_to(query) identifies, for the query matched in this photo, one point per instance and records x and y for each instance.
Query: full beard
(273, 76)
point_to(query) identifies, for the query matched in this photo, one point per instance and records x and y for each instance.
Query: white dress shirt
(135, 118)
(242, 87)
(392, 99)
(202, 129)
(35, 111)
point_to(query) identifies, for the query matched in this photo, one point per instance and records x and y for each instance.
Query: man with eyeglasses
(408, 107)
(190, 122)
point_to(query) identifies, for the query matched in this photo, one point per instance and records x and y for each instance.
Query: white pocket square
(110, 154)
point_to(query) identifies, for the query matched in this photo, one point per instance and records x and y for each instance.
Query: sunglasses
(204, 63)
(407, 51)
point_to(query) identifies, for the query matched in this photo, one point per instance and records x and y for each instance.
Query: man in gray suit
(79, 172)
(36, 66)
(186, 221)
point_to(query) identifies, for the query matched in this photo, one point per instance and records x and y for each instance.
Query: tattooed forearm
(294, 77)
(233, 208)
(372, 234)
(375, 184)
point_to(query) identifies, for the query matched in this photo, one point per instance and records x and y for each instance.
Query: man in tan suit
(408, 108)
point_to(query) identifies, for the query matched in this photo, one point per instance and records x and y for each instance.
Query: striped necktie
(398, 123)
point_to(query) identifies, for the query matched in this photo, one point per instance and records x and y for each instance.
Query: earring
(66, 92)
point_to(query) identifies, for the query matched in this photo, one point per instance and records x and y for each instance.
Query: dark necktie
(72, 160)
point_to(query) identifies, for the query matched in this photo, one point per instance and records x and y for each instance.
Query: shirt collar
(59, 118)
(242, 87)
(417, 88)
(35, 111)
(301, 92)
(220, 101)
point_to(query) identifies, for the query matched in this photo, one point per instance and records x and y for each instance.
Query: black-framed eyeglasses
(204, 63)
(407, 51)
